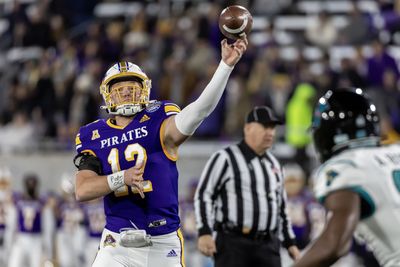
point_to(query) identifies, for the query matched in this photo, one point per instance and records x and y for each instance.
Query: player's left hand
(231, 53)
(294, 252)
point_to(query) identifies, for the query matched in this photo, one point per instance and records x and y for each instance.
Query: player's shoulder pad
(92, 125)
(334, 174)
(336, 164)
(89, 129)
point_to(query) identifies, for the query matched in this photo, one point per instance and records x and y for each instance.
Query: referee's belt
(244, 232)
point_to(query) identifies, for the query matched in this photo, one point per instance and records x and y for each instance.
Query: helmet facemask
(125, 90)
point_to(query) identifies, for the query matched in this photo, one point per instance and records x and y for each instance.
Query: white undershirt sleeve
(192, 115)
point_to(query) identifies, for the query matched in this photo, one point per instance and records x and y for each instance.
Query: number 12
(131, 151)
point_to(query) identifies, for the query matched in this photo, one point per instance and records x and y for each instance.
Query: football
(234, 21)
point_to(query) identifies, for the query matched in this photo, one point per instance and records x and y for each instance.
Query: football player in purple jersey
(34, 226)
(130, 159)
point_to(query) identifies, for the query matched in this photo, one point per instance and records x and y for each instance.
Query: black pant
(235, 250)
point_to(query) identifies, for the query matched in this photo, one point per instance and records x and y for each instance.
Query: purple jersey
(303, 210)
(70, 215)
(29, 214)
(120, 148)
(94, 217)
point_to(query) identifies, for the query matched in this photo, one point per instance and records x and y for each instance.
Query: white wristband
(116, 180)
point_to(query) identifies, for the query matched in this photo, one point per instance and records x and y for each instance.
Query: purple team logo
(109, 241)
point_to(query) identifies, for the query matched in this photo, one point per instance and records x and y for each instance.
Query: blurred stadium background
(53, 54)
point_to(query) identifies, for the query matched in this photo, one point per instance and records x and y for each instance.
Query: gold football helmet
(125, 71)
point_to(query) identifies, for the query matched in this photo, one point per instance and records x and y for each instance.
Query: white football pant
(26, 251)
(92, 246)
(166, 251)
(68, 251)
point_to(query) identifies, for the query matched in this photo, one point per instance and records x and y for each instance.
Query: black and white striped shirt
(245, 190)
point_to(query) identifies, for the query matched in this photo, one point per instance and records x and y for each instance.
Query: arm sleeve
(210, 179)
(192, 115)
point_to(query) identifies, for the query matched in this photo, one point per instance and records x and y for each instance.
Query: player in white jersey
(358, 183)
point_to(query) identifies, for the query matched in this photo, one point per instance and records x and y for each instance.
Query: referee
(241, 196)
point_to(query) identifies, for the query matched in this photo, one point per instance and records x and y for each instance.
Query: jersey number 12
(132, 152)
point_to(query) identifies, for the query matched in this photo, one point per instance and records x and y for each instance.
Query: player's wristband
(116, 180)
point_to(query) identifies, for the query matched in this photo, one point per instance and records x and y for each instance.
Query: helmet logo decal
(123, 66)
(331, 175)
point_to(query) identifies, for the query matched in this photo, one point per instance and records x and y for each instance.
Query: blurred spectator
(378, 63)
(321, 31)
(308, 217)
(390, 12)
(357, 30)
(112, 45)
(388, 104)
(38, 28)
(237, 103)
(43, 96)
(323, 76)
(82, 102)
(349, 75)
(270, 7)
(299, 114)
(18, 135)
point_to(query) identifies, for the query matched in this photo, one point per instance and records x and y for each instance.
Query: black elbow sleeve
(86, 161)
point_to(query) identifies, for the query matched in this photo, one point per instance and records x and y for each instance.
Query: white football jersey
(374, 173)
